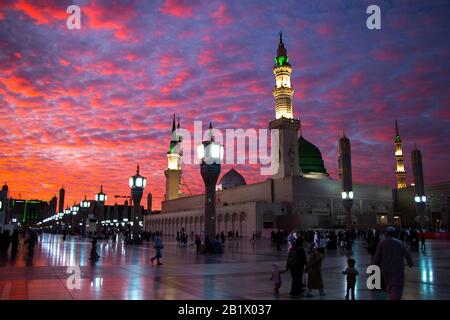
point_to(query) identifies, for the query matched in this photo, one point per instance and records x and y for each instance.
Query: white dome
(231, 179)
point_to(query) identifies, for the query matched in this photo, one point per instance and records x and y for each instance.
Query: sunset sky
(81, 108)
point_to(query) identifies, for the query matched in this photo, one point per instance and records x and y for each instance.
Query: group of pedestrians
(298, 264)
(389, 254)
(8, 239)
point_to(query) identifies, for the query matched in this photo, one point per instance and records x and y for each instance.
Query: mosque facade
(301, 194)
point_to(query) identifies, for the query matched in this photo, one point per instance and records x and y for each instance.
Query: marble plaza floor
(242, 272)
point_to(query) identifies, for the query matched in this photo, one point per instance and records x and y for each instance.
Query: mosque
(300, 195)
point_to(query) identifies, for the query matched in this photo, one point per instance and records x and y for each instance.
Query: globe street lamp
(73, 219)
(66, 217)
(137, 184)
(345, 170)
(84, 214)
(101, 198)
(210, 154)
(420, 201)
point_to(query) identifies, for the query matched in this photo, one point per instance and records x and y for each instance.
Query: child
(276, 278)
(351, 273)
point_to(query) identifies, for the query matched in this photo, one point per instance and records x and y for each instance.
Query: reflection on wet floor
(242, 272)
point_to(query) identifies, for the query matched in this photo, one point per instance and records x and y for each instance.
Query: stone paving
(242, 272)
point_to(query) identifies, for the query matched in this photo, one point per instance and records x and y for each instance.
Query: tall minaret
(345, 173)
(62, 193)
(173, 171)
(400, 169)
(284, 120)
(419, 188)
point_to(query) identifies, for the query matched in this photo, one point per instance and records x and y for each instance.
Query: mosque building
(300, 194)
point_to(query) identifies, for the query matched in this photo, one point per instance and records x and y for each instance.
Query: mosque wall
(438, 204)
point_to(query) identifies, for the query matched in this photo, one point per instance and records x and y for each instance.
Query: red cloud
(41, 13)
(115, 18)
(22, 86)
(177, 8)
(221, 16)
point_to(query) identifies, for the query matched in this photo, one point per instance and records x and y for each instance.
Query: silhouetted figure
(351, 274)
(217, 245)
(389, 257)
(296, 263)
(422, 241)
(31, 242)
(14, 242)
(315, 273)
(253, 239)
(94, 256)
(158, 245)
(198, 242)
(5, 241)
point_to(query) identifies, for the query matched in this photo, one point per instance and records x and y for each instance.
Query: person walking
(93, 255)
(158, 245)
(198, 242)
(422, 241)
(296, 263)
(14, 242)
(389, 257)
(276, 279)
(315, 273)
(31, 242)
(5, 241)
(253, 239)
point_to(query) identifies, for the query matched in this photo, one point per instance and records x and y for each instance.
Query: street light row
(137, 183)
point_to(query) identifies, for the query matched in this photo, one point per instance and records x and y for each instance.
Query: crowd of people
(8, 239)
(388, 253)
(306, 252)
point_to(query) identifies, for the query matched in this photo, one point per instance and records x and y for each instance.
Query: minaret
(62, 193)
(284, 121)
(400, 169)
(345, 174)
(174, 156)
(419, 187)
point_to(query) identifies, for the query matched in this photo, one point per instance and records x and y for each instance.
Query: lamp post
(84, 214)
(210, 154)
(100, 197)
(345, 171)
(66, 218)
(420, 201)
(73, 218)
(137, 184)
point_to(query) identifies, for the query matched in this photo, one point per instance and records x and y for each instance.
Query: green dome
(310, 157)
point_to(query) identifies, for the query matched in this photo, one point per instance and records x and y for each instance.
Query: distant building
(27, 212)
